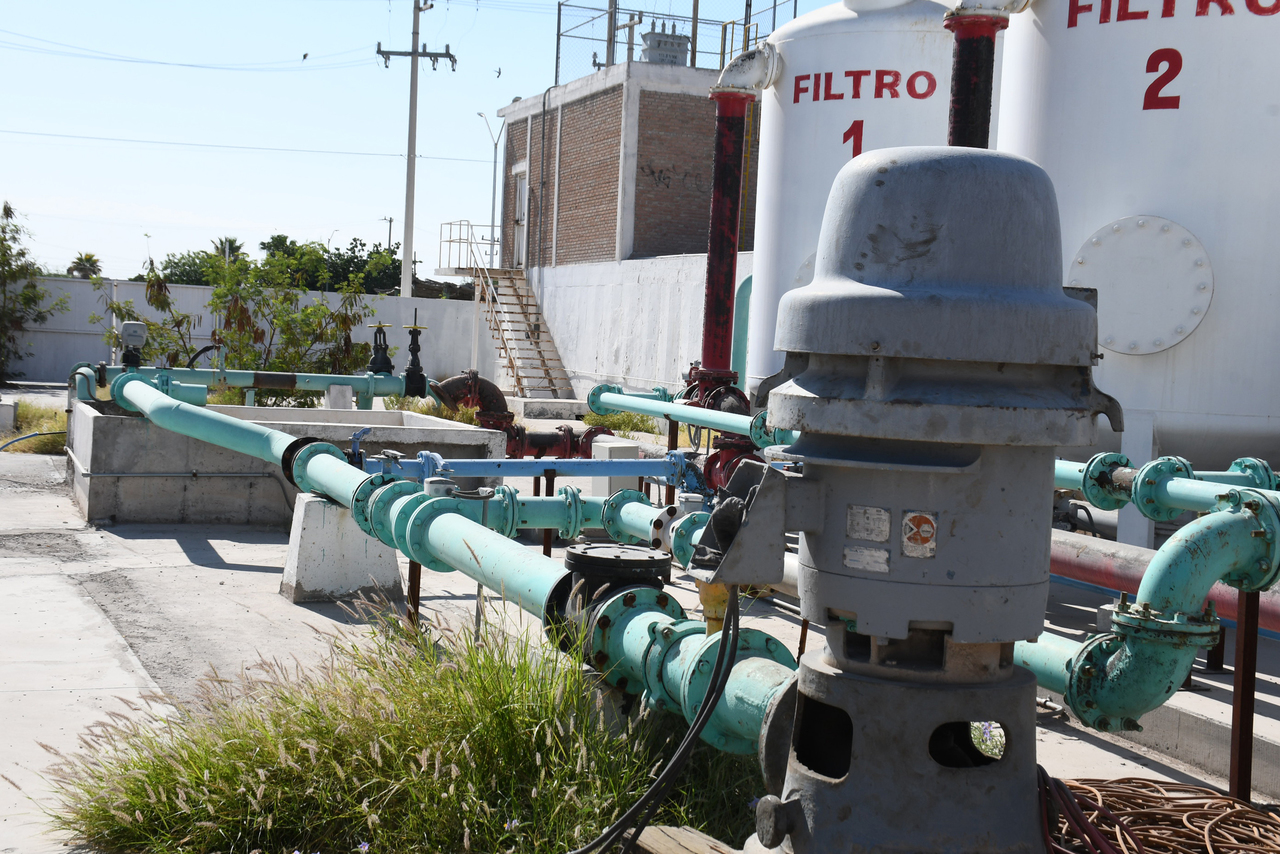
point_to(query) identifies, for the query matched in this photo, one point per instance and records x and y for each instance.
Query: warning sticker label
(866, 560)
(868, 523)
(919, 534)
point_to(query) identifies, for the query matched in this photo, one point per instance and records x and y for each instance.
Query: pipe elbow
(471, 389)
(1116, 679)
(750, 71)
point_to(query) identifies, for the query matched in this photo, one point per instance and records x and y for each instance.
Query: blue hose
(32, 436)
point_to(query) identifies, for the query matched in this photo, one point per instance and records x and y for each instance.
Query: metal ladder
(524, 340)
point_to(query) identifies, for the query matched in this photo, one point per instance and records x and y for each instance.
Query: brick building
(613, 166)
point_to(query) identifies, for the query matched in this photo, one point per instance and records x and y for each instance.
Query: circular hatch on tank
(1154, 283)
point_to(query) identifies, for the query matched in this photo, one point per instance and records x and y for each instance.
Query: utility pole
(389, 220)
(493, 200)
(419, 52)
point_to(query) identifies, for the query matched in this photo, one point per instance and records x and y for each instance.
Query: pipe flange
(611, 512)
(303, 455)
(573, 512)
(380, 504)
(504, 514)
(1086, 670)
(360, 510)
(1267, 516)
(1097, 486)
(607, 631)
(401, 512)
(593, 399)
(752, 643)
(1259, 470)
(682, 532)
(1148, 477)
(287, 458)
(415, 535)
(119, 383)
(761, 435)
(1146, 626)
(661, 639)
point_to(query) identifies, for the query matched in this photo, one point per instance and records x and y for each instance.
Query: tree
(191, 268)
(170, 340)
(228, 248)
(86, 266)
(22, 301)
(380, 277)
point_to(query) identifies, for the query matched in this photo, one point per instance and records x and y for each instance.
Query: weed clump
(34, 418)
(624, 424)
(405, 741)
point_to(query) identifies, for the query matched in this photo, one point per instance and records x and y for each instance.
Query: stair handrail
(491, 311)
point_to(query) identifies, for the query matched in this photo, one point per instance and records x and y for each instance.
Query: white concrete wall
(635, 323)
(69, 337)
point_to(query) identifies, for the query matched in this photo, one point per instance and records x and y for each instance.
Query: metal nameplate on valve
(868, 523)
(863, 559)
(919, 534)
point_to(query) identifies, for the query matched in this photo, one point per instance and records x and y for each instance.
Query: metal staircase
(510, 309)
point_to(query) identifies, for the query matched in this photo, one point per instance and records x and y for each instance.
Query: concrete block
(527, 408)
(338, 397)
(8, 416)
(613, 448)
(124, 469)
(331, 558)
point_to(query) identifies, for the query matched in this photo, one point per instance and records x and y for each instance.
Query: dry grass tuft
(404, 741)
(34, 418)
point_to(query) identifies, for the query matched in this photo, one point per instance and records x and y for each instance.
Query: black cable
(1093, 528)
(729, 637)
(725, 656)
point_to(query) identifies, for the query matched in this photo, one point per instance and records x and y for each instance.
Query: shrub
(623, 423)
(428, 406)
(405, 742)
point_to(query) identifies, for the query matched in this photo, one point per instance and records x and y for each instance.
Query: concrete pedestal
(331, 558)
(613, 448)
(8, 416)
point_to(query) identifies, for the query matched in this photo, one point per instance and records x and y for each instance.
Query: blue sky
(84, 195)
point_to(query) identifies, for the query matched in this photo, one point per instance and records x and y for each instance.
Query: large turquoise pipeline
(639, 638)
(1113, 678)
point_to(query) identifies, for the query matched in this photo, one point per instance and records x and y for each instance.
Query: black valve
(380, 362)
(415, 381)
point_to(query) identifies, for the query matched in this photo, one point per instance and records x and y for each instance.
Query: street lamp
(493, 203)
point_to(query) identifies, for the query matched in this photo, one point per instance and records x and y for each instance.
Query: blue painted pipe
(665, 468)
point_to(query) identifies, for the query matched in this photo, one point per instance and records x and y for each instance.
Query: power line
(237, 147)
(78, 52)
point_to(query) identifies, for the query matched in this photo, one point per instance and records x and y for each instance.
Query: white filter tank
(854, 76)
(1158, 121)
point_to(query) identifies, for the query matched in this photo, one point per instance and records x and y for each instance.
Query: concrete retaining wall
(69, 337)
(635, 323)
(110, 449)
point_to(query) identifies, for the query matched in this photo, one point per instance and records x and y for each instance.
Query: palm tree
(228, 248)
(86, 266)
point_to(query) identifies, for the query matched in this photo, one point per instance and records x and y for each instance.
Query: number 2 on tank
(1154, 100)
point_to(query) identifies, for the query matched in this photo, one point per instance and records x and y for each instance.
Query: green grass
(428, 406)
(33, 418)
(623, 424)
(405, 741)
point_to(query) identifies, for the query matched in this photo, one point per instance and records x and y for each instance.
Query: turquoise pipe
(515, 572)
(1068, 475)
(134, 393)
(741, 317)
(607, 399)
(1163, 488)
(83, 381)
(1113, 678)
(640, 640)
(642, 644)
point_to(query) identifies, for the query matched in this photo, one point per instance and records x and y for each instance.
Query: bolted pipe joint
(1148, 494)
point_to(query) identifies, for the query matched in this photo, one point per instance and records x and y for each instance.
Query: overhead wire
(239, 147)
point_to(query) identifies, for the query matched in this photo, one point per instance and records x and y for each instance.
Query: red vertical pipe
(1243, 693)
(972, 77)
(722, 243)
